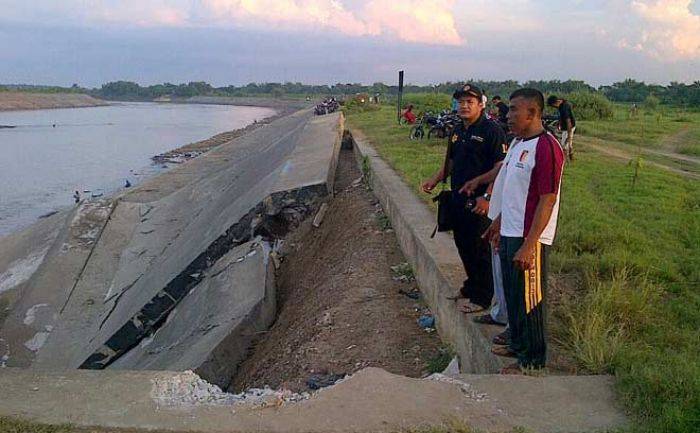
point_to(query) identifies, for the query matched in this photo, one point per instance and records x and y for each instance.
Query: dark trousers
(475, 254)
(525, 301)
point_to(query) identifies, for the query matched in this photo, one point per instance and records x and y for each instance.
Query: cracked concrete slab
(109, 280)
(53, 282)
(211, 329)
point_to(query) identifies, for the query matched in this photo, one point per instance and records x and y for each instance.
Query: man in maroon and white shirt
(526, 200)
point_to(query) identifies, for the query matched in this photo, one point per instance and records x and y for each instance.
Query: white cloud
(425, 21)
(669, 30)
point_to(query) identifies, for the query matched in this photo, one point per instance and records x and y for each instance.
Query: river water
(95, 149)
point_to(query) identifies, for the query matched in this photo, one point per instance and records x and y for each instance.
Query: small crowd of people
(327, 106)
(503, 210)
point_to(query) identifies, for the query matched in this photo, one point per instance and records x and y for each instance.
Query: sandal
(503, 351)
(469, 308)
(511, 369)
(486, 319)
(502, 338)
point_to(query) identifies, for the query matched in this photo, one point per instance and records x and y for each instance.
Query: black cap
(468, 90)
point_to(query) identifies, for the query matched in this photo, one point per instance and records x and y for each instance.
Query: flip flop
(486, 319)
(470, 308)
(502, 338)
(511, 369)
(503, 351)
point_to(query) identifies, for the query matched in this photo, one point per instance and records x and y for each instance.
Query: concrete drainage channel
(99, 292)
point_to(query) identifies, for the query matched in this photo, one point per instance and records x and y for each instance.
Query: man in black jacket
(477, 145)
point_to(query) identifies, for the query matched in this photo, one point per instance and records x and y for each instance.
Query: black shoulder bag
(444, 199)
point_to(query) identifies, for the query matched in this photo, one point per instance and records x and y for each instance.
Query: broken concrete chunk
(318, 219)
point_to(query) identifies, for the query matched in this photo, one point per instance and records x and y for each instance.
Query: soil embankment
(340, 309)
(39, 101)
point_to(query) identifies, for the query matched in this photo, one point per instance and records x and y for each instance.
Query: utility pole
(398, 102)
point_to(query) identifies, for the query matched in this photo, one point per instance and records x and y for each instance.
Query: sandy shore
(39, 101)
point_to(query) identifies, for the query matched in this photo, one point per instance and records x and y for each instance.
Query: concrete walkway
(370, 401)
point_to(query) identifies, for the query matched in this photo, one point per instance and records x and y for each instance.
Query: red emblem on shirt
(523, 156)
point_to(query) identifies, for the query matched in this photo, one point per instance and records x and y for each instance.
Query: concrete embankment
(109, 273)
(39, 101)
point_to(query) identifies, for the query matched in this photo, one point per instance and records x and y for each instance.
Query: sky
(91, 42)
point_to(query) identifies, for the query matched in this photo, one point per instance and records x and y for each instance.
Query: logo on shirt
(522, 159)
(477, 138)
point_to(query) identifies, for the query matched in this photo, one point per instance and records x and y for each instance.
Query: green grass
(635, 251)
(13, 425)
(648, 130)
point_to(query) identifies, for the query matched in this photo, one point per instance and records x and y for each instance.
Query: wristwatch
(487, 196)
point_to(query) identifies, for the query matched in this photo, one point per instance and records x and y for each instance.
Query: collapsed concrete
(109, 273)
(210, 330)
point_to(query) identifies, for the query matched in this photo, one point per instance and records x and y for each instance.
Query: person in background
(76, 197)
(567, 123)
(502, 108)
(525, 204)
(408, 115)
(478, 144)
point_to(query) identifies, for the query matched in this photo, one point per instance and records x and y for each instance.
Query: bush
(651, 103)
(433, 102)
(590, 106)
(355, 106)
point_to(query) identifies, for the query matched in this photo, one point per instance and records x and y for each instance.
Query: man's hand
(493, 234)
(428, 186)
(481, 207)
(470, 186)
(525, 257)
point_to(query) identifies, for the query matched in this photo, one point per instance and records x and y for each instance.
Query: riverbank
(192, 150)
(10, 101)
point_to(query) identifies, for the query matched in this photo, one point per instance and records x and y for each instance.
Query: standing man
(526, 200)
(567, 123)
(502, 111)
(478, 144)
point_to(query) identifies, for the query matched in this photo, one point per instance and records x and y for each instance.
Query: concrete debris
(452, 368)
(188, 389)
(466, 388)
(318, 219)
(276, 262)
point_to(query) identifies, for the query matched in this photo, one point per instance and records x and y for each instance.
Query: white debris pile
(466, 388)
(188, 389)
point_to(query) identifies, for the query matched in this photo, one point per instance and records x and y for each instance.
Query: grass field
(668, 129)
(633, 253)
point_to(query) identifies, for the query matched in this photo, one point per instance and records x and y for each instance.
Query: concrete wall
(438, 269)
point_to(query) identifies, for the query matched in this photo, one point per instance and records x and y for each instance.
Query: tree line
(629, 90)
